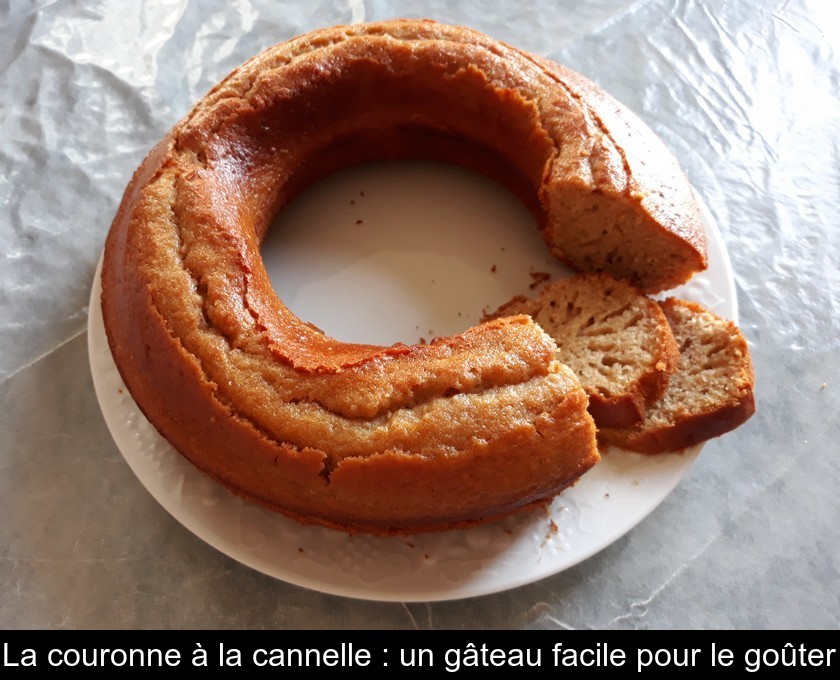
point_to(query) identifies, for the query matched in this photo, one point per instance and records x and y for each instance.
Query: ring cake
(393, 439)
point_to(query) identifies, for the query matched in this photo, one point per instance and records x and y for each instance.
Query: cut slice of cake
(710, 393)
(616, 340)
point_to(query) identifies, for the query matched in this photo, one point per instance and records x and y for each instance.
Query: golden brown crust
(343, 434)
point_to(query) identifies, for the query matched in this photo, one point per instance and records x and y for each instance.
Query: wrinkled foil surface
(744, 93)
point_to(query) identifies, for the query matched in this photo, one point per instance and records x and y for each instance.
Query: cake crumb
(426, 555)
(410, 545)
(823, 386)
(359, 221)
(422, 340)
(553, 530)
(537, 278)
(300, 550)
(493, 269)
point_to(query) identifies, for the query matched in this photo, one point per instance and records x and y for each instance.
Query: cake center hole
(398, 251)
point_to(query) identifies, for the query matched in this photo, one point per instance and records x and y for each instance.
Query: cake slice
(710, 393)
(616, 340)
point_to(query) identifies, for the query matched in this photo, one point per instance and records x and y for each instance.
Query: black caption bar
(453, 652)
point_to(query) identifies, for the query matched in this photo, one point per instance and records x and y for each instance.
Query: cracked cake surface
(383, 439)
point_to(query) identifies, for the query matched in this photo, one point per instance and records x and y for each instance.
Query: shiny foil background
(744, 93)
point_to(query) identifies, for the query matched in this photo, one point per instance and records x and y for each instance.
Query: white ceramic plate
(389, 253)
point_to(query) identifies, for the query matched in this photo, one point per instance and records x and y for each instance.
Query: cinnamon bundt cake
(382, 439)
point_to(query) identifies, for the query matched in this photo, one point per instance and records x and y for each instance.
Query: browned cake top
(201, 338)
